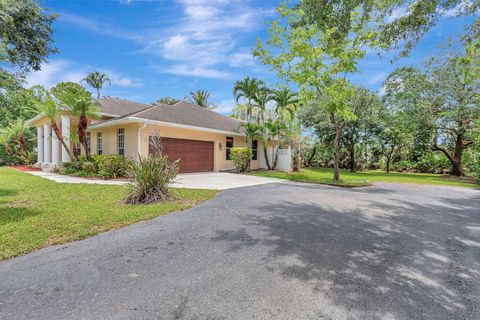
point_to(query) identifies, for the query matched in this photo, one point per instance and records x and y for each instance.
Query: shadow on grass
(15, 214)
(402, 255)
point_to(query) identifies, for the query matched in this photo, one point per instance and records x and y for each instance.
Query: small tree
(200, 98)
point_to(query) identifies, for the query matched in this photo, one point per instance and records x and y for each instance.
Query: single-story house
(199, 137)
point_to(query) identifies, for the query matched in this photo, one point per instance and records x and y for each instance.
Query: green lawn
(354, 179)
(35, 212)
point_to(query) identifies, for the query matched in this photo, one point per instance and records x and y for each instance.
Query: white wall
(284, 162)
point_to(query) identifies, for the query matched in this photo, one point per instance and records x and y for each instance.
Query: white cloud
(58, 71)
(54, 72)
(201, 72)
(461, 8)
(397, 13)
(225, 106)
(126, 2)
(242, 59)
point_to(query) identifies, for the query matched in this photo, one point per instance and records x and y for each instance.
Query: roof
(182, 113)
(120, 107)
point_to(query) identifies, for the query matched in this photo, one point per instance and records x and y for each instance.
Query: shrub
(241, 158)
(89, 168)
(110, 165)
(150, 178)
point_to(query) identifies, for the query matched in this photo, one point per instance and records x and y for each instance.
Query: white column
(55, 149)
(66, 137)
(47, 131)
(40, 144)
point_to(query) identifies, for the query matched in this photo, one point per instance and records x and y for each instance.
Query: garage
(194, 155)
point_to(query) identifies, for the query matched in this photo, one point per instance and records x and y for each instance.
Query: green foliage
(25, 33)
(111, 165)
(17, 142)
(247, 89)
(97, 80)
(106, 166)
(241, 158)
(200, 98)
(150, 179)
(166, 100)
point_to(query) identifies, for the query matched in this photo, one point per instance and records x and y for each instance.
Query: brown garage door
(194, 155)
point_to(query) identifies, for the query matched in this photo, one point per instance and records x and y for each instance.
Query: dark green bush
(111, 165)
(89, 168)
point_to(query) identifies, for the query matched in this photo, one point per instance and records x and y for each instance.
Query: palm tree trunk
(81, 130)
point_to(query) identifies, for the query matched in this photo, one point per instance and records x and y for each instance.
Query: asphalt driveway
(273, 251)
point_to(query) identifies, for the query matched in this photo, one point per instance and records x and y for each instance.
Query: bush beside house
(241, 158)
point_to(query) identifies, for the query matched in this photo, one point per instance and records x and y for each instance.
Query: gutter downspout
(139, 141)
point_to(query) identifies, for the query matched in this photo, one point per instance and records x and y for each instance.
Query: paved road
(276, 251)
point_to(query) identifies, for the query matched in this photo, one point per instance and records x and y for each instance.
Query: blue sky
(152, 49)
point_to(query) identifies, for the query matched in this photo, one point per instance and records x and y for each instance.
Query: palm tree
(5, 139)
(84, 108)
(261, 98)
(274, 129)
(166, 100)
(286, 100)
(247, 89)
(96, 80)
(47, 106)
(252, 130)
(200, 98)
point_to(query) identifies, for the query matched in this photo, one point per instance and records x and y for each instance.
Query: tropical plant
(286, 101)
(79, 102)
(252, 130)
(166, 100)
(247, 89)
(200, 98)
(274, 129)
(241, 158)
(150, 179)
(260, 99)
(97, 80)
(50, 108)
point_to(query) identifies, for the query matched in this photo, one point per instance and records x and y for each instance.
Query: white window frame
(121, 141)
(99, 143)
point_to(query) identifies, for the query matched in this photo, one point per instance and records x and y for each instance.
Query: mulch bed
(25, 168)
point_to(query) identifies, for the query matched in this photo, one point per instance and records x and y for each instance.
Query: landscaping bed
(35, 212)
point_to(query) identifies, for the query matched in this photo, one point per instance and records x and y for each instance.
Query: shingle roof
(183, 113)
(120, 107)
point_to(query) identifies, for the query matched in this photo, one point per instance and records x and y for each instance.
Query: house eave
(161, 123)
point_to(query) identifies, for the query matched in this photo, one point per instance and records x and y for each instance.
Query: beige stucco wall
(110, 140)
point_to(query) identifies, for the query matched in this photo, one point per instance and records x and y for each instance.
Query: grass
(35, 212)
(355, 179)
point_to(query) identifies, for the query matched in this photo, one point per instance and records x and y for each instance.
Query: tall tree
(97, 80)
(317, 59)
(285, 101)
(200, 98)
(443, 98)
(261, 99)
(25, 34)
(247, 89)
(79, 102)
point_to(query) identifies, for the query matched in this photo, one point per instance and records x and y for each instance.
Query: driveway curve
(273, 251)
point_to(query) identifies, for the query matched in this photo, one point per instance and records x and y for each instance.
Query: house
(199, 137)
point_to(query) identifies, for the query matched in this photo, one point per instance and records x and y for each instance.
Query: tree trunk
(265, 154)
(336, 146)
(310, 159)
(81, 130)
(457, 167)
(352, 158)
(388, 164)
(59, 135)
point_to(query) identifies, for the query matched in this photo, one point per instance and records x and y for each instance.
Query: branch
(467, 143)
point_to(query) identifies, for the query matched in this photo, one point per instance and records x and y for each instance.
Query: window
(78, 148)
(254, 149)
(228, 147)
(121, 141)
(89, 143)
(99, 143)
